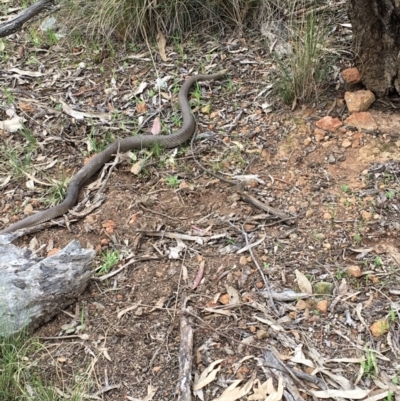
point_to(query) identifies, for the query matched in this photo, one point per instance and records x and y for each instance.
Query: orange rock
(351, 76)
(329, 123)
(362, 120)
(301, 305)
(366, 215)
(359, 101)
(354, 271)
(379, 328)
(322, 306)
(224, 299)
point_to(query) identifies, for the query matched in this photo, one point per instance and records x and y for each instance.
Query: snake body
(134, 142)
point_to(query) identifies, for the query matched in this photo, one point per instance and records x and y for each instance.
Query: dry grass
(129, 20)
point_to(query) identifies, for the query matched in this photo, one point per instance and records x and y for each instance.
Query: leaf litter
(336, 226)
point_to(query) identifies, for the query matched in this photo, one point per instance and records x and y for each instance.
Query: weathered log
(376, 43)
(16, 23)
(33, 290)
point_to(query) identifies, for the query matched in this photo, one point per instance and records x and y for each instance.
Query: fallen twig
(185, 355)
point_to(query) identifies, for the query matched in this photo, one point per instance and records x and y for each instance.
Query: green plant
(157, 150)
(392, 313)
(266, 265)
(345, 188)
(19, 160)
(230, 241)
(388, 177)
(21, 378)
(172, 181)
(318, 236)
(178, 45)
(389, 194)
(357, 238)
(97, 144)
(306, 68)
(109, 260)
(389, 397)
(51, 37)
(340, 274)
(197, 92)
(35, 39)
(10, 99)
(378, 261)
(369, 364)
(27, 134)
(57, 192)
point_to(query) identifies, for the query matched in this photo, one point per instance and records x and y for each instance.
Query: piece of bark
(33, 290)
(185, 356)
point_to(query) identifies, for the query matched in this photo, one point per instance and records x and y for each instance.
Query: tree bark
(376, 43)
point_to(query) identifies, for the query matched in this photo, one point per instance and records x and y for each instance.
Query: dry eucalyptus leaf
(208, 375)
(303, 282)
(137, 168)
(161, 42)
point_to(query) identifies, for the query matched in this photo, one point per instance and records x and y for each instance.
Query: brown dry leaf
(207, 376)
(299, 357)
(262, 390)
(26, 107)
(109, 226)
(199, 275)
(161, 42)
(390, 250)
(53, 251)
(128, 309)
(303, 282)
(105, 353)
(357, 394)
(233, 392)
(12, 125)
(270, 322)
(234, 297)
(218, 311)
(140, 89)
(26, 73)
(151, 391)
(277, 396)
(206, 109)
(378, 395)
(156, 128)
(141, 108)
(159, 304)
(28, 209)
(137, 167)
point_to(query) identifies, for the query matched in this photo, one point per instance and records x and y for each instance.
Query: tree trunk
(376, 43)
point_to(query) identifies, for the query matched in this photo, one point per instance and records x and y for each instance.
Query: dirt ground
(340, 192)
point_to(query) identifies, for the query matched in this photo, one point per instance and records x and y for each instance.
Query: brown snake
(134, 142)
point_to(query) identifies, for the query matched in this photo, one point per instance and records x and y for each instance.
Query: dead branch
(16, 23)
(185, 356)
